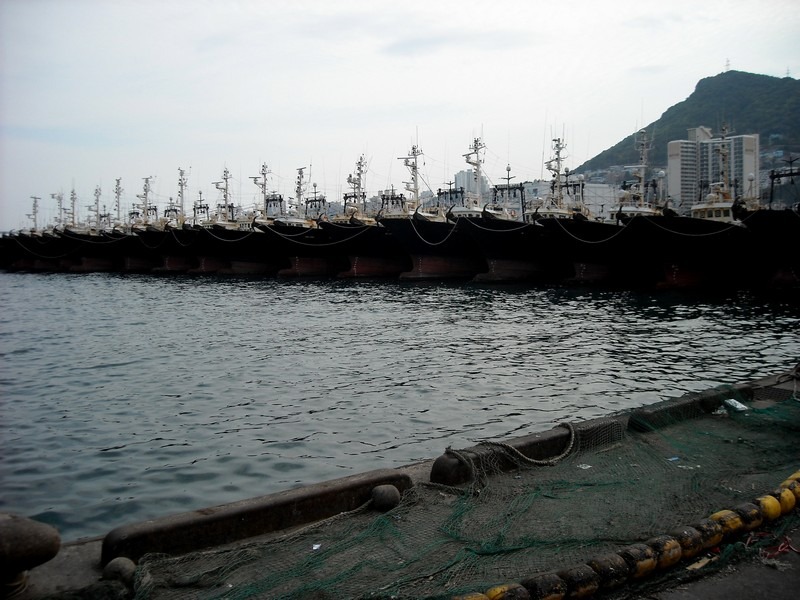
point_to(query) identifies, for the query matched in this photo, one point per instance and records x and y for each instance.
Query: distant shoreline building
(694, 165)
(466, 180)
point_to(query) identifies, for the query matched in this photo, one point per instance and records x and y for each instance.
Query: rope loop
(532, 461)
(462, 457)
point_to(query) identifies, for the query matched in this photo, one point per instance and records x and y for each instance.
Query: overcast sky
(94, 90)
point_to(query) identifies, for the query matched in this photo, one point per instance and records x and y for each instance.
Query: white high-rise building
(694, 165)
(466, 180)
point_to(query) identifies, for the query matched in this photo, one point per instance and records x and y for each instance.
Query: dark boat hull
(600, 252)
(687, 252)
(231, 251)
(776, 235)
(303, 251)
(516, 251)
(371, 250)
(437, 250)
(52, 253)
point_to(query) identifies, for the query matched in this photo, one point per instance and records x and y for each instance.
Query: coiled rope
(515, 453)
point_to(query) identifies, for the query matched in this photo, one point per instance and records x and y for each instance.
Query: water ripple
(128, 397)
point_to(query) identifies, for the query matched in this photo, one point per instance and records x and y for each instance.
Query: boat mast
(722, 150)
(117, 197)
(199, 207)
(145, 198)
(317, 204)
(73, 199)
(300, 187)
(356, 182)
(261, 182)
(412, 165)
(59, 198)
(508, 178)
(475, 163)
(97, 193)
(641, 169)
(558, 159)
(34, 216)
(226, 205)
(182, 181)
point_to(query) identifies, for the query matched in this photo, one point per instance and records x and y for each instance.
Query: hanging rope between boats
(732, 226)
(572, 235)
(71, 236)
(178, 240)
(328, 244)
(509, 230)
(288, 236)
(158, 245)
(42, 256)
(419, 235)
(219, 239)
(292, 239)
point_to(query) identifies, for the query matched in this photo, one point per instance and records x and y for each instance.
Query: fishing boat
(370, 249)
(231, 243)
(709, 248)
(31, 249)
(435, 236)
(295, 237)
(152, 246)
(602, 251)
(775, 229)
(515, 246)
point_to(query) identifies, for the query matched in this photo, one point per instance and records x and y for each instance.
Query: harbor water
(126, 397)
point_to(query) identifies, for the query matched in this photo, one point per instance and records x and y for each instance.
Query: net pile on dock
(620, 484)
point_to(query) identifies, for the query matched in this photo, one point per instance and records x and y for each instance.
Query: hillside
(747, 103)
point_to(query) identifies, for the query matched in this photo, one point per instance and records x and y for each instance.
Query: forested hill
(745, 102)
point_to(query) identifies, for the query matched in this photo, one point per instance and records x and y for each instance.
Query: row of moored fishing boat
(494, 237)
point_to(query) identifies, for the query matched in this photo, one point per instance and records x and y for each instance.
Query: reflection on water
(129, 397)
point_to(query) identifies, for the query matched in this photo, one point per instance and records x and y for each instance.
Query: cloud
(464, 42)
